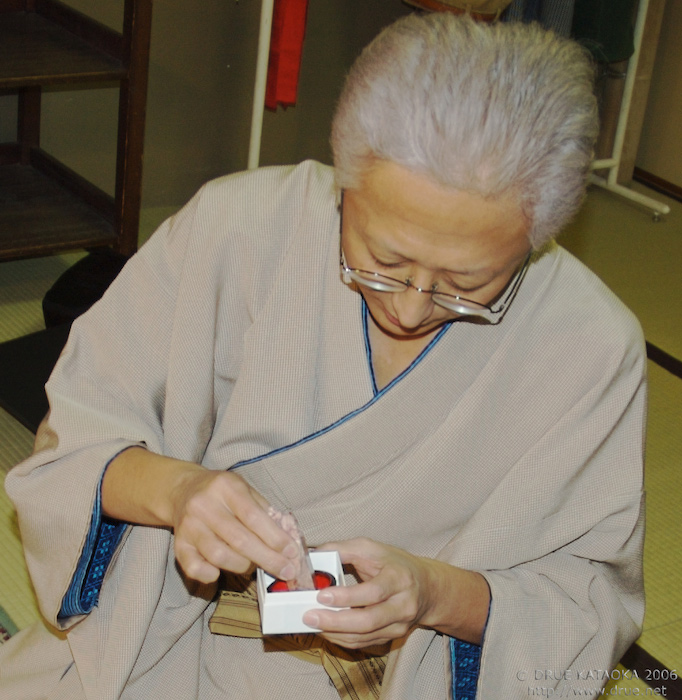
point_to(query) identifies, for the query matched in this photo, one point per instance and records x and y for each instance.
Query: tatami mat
(637, 257)
(16, 595)
(662, 636)
(23, 284)
(663, 554)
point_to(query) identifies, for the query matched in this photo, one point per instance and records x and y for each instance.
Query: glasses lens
(459, 306)
(378, 283)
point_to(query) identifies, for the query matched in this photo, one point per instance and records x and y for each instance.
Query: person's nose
(412, 307)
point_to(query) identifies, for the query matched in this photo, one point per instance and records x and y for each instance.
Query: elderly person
(396, 351)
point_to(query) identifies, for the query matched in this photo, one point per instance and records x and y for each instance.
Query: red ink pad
(321, 579)
(277, 586)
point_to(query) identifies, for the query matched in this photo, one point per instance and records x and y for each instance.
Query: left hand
(393, 597)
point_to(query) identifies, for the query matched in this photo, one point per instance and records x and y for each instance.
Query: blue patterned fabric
(466, 664)
(105, 535)
(100, 544)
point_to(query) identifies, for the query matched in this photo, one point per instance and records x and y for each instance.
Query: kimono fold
(230, 340)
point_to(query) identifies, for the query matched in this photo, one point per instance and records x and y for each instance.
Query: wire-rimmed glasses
(451, 302)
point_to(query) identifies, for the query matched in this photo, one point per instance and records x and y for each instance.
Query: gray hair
(501, 109)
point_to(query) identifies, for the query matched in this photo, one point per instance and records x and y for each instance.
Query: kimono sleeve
(106, 393)
(567, 596)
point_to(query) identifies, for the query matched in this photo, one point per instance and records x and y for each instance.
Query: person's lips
(392, 319)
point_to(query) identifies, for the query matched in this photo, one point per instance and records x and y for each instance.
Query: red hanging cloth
(286, 49)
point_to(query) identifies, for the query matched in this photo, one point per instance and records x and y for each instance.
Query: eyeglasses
(451, 302)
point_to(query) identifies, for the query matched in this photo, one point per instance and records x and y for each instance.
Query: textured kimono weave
(356, 675)
(230, 340)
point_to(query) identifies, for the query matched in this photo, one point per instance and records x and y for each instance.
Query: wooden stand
(45, 207)
(619, 166)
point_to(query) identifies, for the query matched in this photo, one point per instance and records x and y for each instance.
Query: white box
(281, 612)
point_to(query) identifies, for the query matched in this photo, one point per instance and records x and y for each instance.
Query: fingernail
(290, 551)
(311, 619)
(325, 597)
(289, 571)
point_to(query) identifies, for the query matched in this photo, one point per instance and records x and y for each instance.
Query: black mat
(25, 365)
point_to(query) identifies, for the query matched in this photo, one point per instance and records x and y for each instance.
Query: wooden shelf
(43, 214)
(44, 206)
(36, 51)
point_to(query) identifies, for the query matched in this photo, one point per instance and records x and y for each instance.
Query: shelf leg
(28, 121)
(131, 121)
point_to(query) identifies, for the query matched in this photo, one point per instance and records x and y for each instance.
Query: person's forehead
(406, 213)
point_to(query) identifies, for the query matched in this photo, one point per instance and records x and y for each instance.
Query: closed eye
(447, 286)
(458, 289)
(388, 265)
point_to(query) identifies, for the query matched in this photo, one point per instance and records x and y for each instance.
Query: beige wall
(200, 90)
(660, 148)
(200, 94)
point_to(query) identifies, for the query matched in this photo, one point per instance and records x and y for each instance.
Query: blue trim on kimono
(465, 657)
(368, 347)
(105, 534)
(103, 537)
(377, 395)
(466, 665)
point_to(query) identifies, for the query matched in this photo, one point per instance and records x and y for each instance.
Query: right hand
(221, 522)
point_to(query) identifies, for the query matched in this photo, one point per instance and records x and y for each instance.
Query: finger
(200, 570)
(201, 553)
(241, 541)
(355, 641)
(194, 565)
(360, 621)
(251, 509)
(372, 592)
(339, 621)
(222, 555)
(357, 548)
(367, 557)
(366, 607)
(356, 631)
(235, 513)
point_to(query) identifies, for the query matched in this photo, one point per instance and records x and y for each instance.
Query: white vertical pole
(630, 77)
(260, 83)
(613, 163)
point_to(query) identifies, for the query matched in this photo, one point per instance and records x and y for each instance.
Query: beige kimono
(229, 339)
